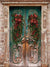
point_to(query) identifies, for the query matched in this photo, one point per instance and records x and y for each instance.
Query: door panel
(25, 34)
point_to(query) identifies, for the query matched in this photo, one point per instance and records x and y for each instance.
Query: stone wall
(48, 34)
(4, 35)
(2, 46)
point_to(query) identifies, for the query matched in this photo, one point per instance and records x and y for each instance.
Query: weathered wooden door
(25, 35)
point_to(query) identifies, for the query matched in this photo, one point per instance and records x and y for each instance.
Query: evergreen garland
(34, 25)
(17, 28)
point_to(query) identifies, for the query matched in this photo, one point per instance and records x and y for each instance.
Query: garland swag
(17, 28)
(34, 25)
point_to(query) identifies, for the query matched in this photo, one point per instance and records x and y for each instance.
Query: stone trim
(44, 34)
(24, 2)
(6, 31)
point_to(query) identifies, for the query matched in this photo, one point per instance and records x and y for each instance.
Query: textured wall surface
(48, 34)
(2, 47)
(44, 35)
(4, 38)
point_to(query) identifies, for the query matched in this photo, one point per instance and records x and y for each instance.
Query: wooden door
(25, 34)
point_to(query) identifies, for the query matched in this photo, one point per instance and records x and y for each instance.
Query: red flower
(35, 15)
(31, 21)
(31, 16)
(33, 32)
(17, 34)
(16, 15)
(19, 20)
(35, 21)
(16, 19)
(20, 15)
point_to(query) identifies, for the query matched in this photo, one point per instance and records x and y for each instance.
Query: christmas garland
(34, 26)
(17, 28)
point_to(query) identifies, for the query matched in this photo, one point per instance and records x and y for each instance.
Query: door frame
(43, 30)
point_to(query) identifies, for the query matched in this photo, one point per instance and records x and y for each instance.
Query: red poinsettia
(16, 15)
(20, 15)
(33, 32)
(35, 15)
(31, 21)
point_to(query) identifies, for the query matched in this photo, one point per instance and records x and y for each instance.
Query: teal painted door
(25, 34)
